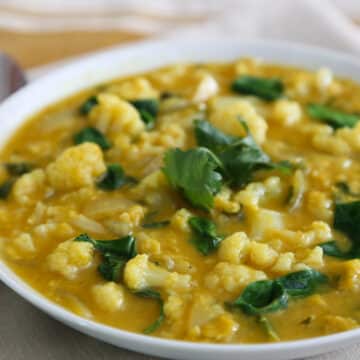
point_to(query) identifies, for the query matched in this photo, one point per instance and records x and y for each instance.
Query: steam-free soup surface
(202, 202)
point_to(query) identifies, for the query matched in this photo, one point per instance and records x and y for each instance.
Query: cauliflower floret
(180, 220)
(284, 263)
(351, 275)
(323, 78)
(206, 88)
(231, 277)
(21, 247)
(263, 221)
(223, 202)
(138, 88)
(70, 257)
(286, 112)
(109, 296)
(114, 117)
(231, 108)
(234, 247)
(140, 274)
(261, 255)
(148, 245)
(29, 187)
(76, 167)
(314, 258)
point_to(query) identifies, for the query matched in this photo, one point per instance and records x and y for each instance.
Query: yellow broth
(59, 200)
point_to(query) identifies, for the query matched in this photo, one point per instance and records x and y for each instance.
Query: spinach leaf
(152, 294)
(5, 188)
(264, 88)
(240, 157)
(115, 254)
(156, 224)
(88, 105)
(148, 110)
(17, 169)
(261, 297)
(114, 178)
(265, 296)
(335, 118)
(195, 173)
(204, 235)
(302, 283)
(330, 248)
(93, 135)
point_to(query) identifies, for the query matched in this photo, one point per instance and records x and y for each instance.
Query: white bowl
(137, 58)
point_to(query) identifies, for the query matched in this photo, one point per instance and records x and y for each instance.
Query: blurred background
(41, 32)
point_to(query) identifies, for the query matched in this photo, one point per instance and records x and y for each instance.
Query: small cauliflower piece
(29, 187)
(350, 278)
(70, 257)
(22, 247)
(314, 258)
(231, 108)
(263, 221)
(286, 112)
(113, 117)
(220, 329)
(206, 88)
(76, 167)
(319, 205)
(141, 274)
(234, 248)
(261, 255)
(147, 245)
(284, 263)
(180, 220)
(323, 78)
(231, 278)
(223, 201)
(134, 89)
(109, 296)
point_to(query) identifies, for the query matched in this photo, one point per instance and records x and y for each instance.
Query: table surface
(25, 332)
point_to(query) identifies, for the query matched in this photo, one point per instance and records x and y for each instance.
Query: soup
(202, 202)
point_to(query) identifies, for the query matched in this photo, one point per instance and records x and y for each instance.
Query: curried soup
(201, 202)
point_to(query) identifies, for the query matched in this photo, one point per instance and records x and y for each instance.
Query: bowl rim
(13, 281)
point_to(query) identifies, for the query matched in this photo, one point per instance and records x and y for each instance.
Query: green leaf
(346, 220)
(302, 283)
(204, 234)
(114, 178)
(152, 294)
(148, 110)
(93, 135)
(265, 88)
(88, 105)
(124, 247)
(156, 224)
(345, 190)
(17, 169)
(5, 188)
(335, 118)
(112, 267)
(240, 157)
(195, 173)
(115, 253)
(261, 297)
(330, 248)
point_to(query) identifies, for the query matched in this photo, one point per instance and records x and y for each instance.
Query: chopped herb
(17, 169)
(335, 118)
(302, 283)
(264, 88)
(115, 253)
(195, 173)
(88, 105)
(240, 157)
(93, 135)
(330, 248)
(156, 224)
(345, 189)
(5, 188)
(148, 110)
(261, 297)
(114, 178)
(152, 294)
(268, 328)
(204, 234)
(265, 296)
